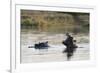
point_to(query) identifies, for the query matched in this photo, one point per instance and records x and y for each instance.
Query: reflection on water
(53, 53)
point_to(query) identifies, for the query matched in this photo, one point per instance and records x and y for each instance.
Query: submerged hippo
(42, 45)
(70, 44)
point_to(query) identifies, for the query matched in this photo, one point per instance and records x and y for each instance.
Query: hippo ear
(46, 41)
(74, 40)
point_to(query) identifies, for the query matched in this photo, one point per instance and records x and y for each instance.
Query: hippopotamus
(42, 45)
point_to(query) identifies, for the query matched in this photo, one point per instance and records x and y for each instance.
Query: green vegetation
(48, 21)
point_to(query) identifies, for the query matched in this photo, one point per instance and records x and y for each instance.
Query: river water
(53, 53)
